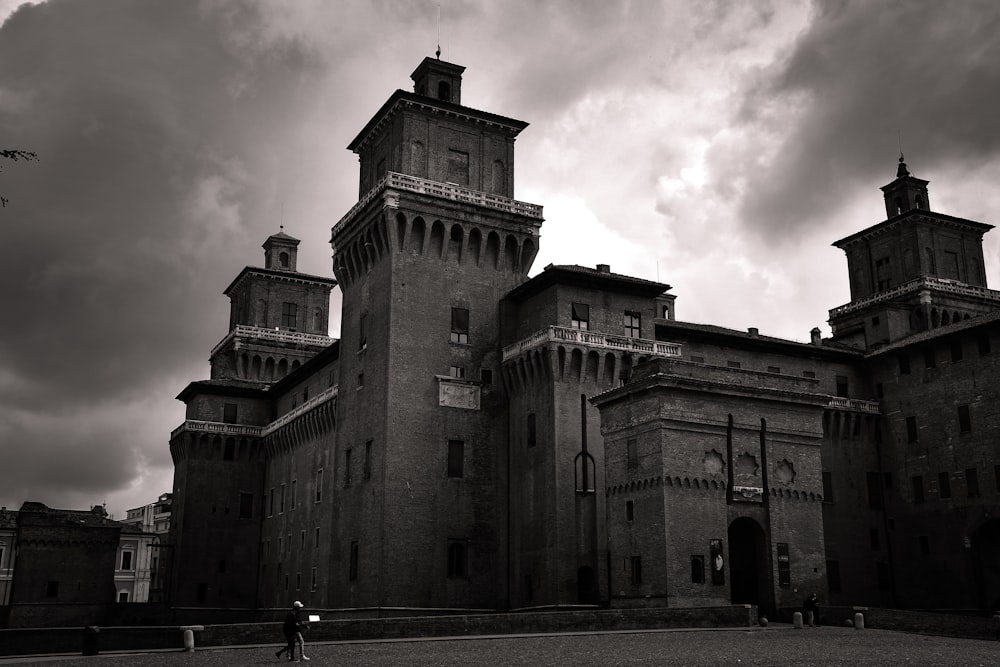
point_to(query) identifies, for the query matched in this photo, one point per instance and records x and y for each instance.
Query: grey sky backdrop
(720, 146)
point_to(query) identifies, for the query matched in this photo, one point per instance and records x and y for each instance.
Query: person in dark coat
(291, 628)
(811, 608)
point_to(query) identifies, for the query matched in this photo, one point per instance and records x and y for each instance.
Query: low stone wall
(28, 641)
(967, 625)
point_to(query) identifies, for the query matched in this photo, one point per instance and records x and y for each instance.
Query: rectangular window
(270, 504)
(281, 503)
(809, 374)
(580, 316)
(697, 569)
(874, 490)
(486, 376)
(456, 458)
(222, 566)
(126, 560)
(316, 539)
(281, 547)
(302, 540)
(246, 505)
(289, 315)
(784, 565)
(918, 489)
(632, 453)
(842, 386)
(363, 331)
(629, 510)
(347, 467)
(459, 325)
(956, 350)
(827, 488)
(532, 432)
(366, 472)
(964, 421)
(873, 539)
(457, 372)
(996, 477)
(632, 322)
(352, 574)
(929, 360)
(457, 559)
(734, 364)
(904, 364)
(911, 429)
(312, 580)
(716, 562)
(458, 167)
(983, 343)
(773, 369)
(833, 576)
(202, 592)
(229, 413)
(361, 380)
(52, 589)
(972, 482)
(925, 545)
(294, 484)
(635, 570)
(319, 485)
(944, 485)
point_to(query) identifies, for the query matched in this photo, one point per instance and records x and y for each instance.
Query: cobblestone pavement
(742, 647)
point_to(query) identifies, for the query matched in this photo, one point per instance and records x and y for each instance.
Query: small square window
(456, 371)
(580, 316)
(809, 374)
(734, 364)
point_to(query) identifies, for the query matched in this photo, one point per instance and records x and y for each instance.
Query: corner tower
(423, 259)
(916, 270)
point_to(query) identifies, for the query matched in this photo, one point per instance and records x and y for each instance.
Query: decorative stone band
(593, 339)
(274, 335)
(748, 493)
(926, 282)
(397, 181)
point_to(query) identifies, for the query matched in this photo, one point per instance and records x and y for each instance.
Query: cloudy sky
(719, 146)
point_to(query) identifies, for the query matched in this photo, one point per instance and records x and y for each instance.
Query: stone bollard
(187, 635)
(859, 621)
(797, 620)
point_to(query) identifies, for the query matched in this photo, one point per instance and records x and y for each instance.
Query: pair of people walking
(292, 629)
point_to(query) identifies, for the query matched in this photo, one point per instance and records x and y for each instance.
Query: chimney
(814, 336)
(753, 332)
(604, 268)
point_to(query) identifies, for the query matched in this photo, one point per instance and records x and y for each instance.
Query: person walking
(292, 629)
(811, 608)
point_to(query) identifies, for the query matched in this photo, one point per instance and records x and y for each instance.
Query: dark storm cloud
(864, 71)
(120, 238)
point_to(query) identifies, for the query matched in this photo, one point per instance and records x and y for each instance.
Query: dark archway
(986, 565)
(586, 586)
(748, 581)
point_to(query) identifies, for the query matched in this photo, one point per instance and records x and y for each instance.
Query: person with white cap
(292, 629)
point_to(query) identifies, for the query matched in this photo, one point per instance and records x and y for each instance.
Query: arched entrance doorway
(986, 565)
(748, 580)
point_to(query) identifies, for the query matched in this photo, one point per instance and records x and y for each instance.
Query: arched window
(283, 260)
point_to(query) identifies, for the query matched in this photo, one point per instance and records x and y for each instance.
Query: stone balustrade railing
(221, 428)
(399, 181)
(925, 282)
(654, 348)
(274, 335)
(853, 405)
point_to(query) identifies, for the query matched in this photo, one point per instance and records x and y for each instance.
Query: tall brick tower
(916, 270)
(279, 319)
(423, 259)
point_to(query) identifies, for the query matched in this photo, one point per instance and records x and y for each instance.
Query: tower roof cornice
(913, 216)
(289, 276)
(402, 99)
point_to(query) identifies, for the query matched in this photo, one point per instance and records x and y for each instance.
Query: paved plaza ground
(775, 645)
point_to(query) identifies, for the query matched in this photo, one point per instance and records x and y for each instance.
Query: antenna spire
(438, 52)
